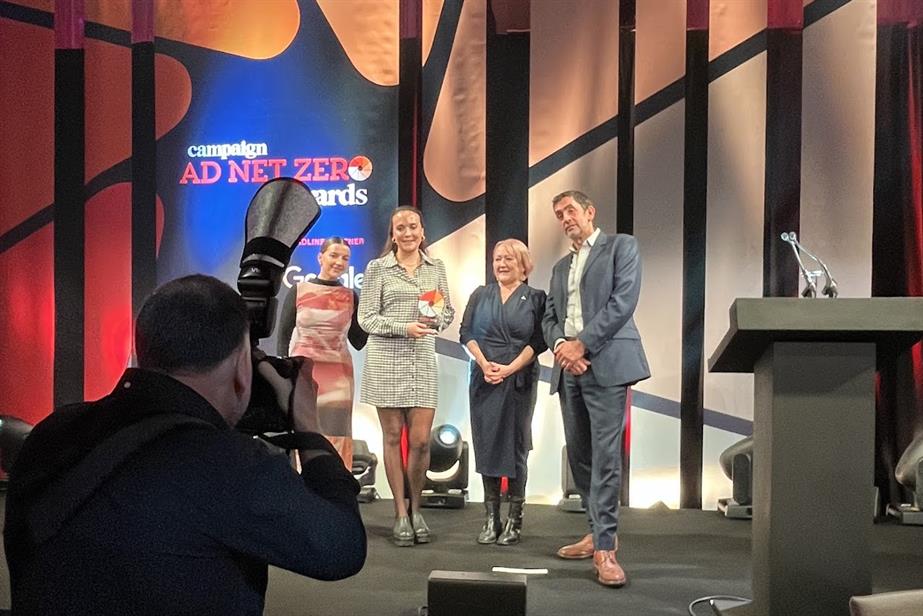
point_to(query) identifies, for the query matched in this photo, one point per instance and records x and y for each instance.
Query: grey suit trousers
(594, 418)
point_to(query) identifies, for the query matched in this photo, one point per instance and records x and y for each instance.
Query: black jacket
(146, 502)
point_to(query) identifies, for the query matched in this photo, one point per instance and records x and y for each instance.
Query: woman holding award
(403, 304)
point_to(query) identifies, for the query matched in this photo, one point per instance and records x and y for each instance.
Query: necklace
(407, 264)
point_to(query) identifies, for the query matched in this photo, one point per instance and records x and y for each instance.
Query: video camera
(279, 215)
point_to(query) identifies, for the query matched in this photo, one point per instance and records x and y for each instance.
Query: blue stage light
(449, 435)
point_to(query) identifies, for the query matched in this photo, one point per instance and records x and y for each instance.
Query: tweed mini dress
(400, 371)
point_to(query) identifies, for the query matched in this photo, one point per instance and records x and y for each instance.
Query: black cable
(712, 598)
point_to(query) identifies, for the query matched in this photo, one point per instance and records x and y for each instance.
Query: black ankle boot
(513, 527)
(492, 525)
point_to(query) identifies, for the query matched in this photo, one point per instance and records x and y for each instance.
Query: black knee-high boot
(492, 525)
(513, 527)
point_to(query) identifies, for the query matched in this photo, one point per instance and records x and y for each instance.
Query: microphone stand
(810, 289)
(830, 288)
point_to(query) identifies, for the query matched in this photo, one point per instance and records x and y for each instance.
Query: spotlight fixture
(737, 463)
(446, 483)
(909, 473)
(13, 433)
(364, 464)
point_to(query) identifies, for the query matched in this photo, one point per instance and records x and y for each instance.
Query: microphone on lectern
(810, 276)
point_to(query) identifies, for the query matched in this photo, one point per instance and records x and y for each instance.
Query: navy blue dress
(501, 415)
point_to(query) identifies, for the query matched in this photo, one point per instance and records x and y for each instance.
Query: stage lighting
(909, 473)
(446, 483)
(364, 464)
(737, 463)
(13, 433)
(571, 501)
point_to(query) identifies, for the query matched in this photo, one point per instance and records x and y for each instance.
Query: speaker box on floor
(469, 593)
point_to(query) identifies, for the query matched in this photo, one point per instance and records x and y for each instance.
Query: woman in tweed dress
(400, 376)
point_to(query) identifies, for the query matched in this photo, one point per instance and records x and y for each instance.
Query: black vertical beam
(892, 193)
(143, 156)
(891, 183)
(782, 208)
(625, 171)
(695, 195)
(506, 199)
(69, 203)
(410, 104)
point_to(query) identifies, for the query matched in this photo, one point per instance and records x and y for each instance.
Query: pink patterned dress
(324, 320)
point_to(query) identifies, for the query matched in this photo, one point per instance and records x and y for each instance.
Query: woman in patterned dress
(400, 376)
(318, 317)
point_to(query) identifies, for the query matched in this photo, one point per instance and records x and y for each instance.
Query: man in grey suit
(598, 354)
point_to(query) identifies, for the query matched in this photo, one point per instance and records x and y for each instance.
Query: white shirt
(573, 322)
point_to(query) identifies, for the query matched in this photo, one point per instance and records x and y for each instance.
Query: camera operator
(148, 502)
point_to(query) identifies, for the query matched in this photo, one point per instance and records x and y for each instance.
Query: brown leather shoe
(608, 570)
(577, 551)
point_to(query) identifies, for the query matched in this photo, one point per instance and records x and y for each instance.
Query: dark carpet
(671, 558)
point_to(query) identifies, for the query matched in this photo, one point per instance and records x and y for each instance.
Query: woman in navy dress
(502, 328)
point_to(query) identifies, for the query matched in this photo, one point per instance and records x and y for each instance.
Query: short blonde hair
(520, 251)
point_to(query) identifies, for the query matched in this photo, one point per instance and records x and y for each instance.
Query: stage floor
(671, 557)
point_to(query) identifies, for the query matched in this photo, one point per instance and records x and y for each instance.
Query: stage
(671, 557)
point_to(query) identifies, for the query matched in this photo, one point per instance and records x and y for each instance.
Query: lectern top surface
(757, 322)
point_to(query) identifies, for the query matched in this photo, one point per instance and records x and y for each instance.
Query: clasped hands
(570, 354)
(495, 373)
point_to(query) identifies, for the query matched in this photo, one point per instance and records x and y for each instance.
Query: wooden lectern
(813, 441)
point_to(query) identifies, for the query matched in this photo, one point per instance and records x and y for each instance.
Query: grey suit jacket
(609, 291)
